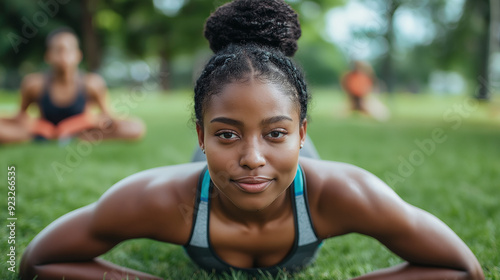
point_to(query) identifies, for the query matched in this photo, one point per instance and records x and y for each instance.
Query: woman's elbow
(27, 266)
(475, 272)
(30, 264)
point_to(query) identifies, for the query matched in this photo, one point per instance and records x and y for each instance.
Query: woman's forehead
(253, 99)
(64, 39)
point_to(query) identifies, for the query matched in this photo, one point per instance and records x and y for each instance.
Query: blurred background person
(359, 83)
(66, 99)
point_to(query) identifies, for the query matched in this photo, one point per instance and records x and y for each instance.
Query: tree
(467, 47)
(24, 24)
(483, 9)
(390, 10)
(91, 47)
(387, 64)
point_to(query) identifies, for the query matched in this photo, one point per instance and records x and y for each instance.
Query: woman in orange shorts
(65, 98)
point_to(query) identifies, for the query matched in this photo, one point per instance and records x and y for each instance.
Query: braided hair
(254, 38)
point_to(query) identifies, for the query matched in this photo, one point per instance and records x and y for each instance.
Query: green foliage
(24, 24)
(458, 182)
(462, 48)
(133, 30)
(137, 30)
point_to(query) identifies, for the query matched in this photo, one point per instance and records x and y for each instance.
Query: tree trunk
(495, 26)
(164, 73)
(483, 92)
(91, 48)
(387, 68)
(494, 39)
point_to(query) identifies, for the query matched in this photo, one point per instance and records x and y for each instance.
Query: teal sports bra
(304, 250)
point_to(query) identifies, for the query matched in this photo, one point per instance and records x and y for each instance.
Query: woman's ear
(302, 132)
(201, 135)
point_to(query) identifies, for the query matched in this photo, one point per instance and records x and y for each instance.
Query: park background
(438, 64)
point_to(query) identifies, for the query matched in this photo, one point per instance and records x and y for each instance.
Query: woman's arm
(430, 248)
(97, 92)
(19, 128)
(362, 203)
(69, 248)
(30, 88)
(145, 205)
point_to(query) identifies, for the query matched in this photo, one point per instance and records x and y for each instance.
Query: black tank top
(56, 114)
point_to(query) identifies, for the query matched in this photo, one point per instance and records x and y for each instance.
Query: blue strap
(205, 186)
(299, 182)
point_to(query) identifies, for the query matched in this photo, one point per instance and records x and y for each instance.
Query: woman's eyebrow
(227, 121)
(267, 121)
(276, 119)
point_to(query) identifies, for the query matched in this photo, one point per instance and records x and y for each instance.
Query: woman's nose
(251, 155)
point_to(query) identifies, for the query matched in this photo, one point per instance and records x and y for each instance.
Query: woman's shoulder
(330, 181)
(332, 174)
(336, 188)
(156, 184)
(154, 200)
(32, 84)
(94, 84)
(92, 78)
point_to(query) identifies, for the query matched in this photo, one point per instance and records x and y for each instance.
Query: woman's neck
(223, 207)
(64, 76)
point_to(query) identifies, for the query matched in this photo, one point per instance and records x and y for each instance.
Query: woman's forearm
(96, 269)
(408, 272)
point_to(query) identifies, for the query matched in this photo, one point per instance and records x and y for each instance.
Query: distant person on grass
(359, 83)
(65, 98)
(254, 205)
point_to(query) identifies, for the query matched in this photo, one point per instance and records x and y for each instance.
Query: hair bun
(271, 23)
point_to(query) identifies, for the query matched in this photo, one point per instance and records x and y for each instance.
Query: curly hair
(252, 37)
(269, 23)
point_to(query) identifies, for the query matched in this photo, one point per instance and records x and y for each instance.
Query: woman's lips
(253, 184)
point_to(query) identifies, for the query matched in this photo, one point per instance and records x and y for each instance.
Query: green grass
(458, 181)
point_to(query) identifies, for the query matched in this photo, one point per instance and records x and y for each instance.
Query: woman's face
(252, 135)
(63, 52)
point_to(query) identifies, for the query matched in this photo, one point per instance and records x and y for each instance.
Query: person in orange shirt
(358, 84)
(65, 97)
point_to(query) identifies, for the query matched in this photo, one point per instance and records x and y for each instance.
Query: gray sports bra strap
(308, 243)
(306, 232)
(199, 237)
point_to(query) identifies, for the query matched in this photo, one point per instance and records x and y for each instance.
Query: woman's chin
(253, 204)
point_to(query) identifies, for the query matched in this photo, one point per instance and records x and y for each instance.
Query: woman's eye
(276, 134)
(227, 135)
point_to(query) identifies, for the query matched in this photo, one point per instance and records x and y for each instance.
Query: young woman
(65, 98)
(256, 204)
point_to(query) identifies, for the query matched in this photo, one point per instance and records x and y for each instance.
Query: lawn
(439, 153)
